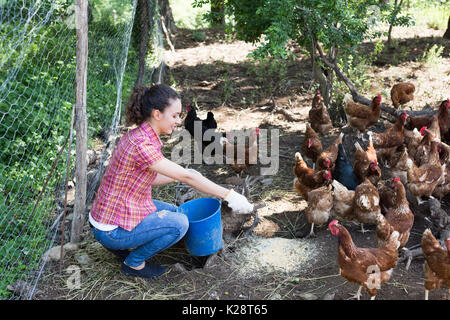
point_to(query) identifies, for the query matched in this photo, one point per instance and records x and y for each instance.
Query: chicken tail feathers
(393, 239)
(298, 156)
(348, 98)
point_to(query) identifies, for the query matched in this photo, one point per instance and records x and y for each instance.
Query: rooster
(399, 218)
(320, 205)
(235, 151)
(368, 267)
(366, 203)
(308, 179)
(437, 263)
(318, 115)
(360, 116)
(327, 158)
(402, 93)
(312, 146)
(422, 180)
(365, 163)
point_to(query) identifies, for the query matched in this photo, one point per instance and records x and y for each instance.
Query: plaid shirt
(124, 197)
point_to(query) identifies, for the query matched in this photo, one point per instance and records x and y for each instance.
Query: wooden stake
(81, 20)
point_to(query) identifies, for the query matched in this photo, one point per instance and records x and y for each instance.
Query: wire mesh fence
(37, 87)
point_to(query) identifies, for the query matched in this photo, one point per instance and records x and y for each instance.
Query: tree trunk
(218, 12)
(397, 9)
(361, 99)
(144, 22)
(447, 32)
(166, 12)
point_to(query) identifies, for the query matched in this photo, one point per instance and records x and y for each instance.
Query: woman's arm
(162, 179)
(174, 171)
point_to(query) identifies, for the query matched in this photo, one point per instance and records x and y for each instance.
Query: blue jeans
(158, 231)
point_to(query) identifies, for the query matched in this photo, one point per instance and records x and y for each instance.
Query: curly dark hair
(144, 99)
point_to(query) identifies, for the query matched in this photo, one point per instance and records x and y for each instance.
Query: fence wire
(37, 87)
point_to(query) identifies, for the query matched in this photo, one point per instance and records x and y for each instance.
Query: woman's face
(167, 121)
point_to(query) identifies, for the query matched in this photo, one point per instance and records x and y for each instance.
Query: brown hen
(327, 159)
(399, 218)
(366, 203)
(318, 115)
(365, 164)
(308, 179)
(360, 116)
(437, 264)
(402, 93)
(368, 267)
(312, 146)
(422, 180)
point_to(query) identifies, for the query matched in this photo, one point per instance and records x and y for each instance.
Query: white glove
(238, 203)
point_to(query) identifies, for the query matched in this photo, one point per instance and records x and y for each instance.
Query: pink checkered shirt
(124, 197)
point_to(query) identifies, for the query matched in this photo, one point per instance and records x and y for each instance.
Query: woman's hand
(238, 203)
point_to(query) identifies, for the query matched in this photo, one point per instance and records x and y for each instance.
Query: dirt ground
(275, 262)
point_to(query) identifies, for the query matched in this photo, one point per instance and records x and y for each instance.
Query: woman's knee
(183, 223)
(161, 205)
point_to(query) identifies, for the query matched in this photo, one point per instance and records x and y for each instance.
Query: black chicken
(208, 123)
(343, 171)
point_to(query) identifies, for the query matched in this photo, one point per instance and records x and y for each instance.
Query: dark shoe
(151, 270)
(121, 254)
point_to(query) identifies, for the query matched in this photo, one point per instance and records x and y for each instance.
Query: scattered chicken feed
(258, 256)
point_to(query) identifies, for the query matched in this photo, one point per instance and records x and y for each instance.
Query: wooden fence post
(81, 20)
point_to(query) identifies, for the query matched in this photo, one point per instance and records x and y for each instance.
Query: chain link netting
(37, 91)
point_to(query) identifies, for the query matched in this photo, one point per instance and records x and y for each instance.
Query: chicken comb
(257, 131)
(397, 179)
(333, 223)
(422, 130)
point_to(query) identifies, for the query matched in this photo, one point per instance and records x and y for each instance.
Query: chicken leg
(419, 201)
(362, 229)
(311, 233)
(357, 295)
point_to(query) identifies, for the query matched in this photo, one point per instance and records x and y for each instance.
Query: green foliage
(432, 56)
(189, 16)
(199, 36)
(37, 68)
(431, 13)
(269, 72)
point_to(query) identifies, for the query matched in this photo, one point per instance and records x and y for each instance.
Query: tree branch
(361, 99)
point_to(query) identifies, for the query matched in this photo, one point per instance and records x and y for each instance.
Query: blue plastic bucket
(204, 236)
